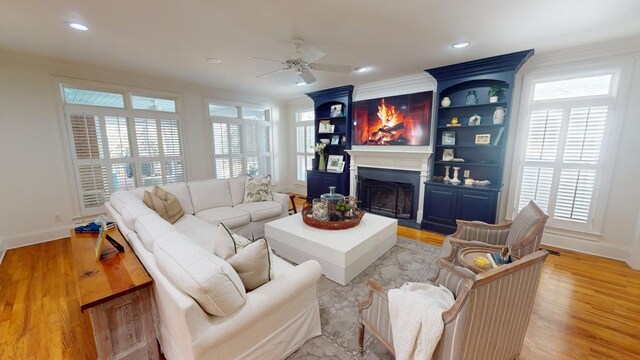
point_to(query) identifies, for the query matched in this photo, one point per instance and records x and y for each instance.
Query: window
(119, 149)
(304, 143)
(241, 140)
(564, 147)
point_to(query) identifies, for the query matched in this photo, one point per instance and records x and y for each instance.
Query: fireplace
(388, 198)
(389, 192)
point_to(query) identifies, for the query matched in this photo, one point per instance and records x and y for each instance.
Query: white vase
(455, 180)
(446, 102)
(493, 99)
(498, 115)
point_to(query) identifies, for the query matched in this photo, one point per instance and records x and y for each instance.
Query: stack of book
(93, 227)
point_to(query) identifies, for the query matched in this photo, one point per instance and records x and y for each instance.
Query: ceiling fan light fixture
(77, 26)
(361, 69)
(460, 45)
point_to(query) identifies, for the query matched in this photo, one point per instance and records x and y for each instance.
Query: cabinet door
(477, 205)
(440, 204)
(329, 179)
(314, 184)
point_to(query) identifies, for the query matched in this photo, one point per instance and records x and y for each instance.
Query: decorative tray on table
(346, 223)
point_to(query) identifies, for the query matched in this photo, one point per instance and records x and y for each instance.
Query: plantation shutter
(562, 157)
(91, 172)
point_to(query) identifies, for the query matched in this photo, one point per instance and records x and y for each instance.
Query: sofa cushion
(236, 186)
(132, 211)
(164, 203)
(231, 217)
(252, 264)
(120, 199)
(149, 227)
(257, 189)
(181, 191)
(207, 194)
(261, 210)
(209, 280)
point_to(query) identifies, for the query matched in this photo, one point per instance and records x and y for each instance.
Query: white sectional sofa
(276, 318)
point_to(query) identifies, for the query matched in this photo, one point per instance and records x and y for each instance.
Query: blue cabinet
(475, 90)
(444, 204)
(318, 182)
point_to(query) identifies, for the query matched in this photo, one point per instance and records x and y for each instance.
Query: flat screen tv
(393, 120)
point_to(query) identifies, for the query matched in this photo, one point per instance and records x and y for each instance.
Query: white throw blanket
(415, 310)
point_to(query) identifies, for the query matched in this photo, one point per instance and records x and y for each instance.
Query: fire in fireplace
(394, 120)
(387, 198)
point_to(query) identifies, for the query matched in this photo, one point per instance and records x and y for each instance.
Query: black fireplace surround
(388, 192)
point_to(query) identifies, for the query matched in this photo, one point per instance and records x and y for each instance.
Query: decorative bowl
(325, 141)
(331, 225)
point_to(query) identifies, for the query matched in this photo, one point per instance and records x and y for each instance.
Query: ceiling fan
(297, 63)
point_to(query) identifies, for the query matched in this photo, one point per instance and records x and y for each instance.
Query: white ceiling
(171, 39)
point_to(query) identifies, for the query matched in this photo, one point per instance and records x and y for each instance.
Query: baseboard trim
(34, 237)
(566, 242)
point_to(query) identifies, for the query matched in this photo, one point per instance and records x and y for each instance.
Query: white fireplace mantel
(395, 158)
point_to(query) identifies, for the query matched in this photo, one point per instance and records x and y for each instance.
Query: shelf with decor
(475, 96)
(332, 108)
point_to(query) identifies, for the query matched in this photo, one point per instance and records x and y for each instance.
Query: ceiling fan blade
(259, 58)
(333, 68)
(271, 72)
(307, 76)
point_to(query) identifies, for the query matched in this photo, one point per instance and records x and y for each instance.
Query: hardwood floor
(586, 307)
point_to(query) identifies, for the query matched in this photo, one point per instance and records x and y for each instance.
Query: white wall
(620, 231)
(293, 106)
(35, 180)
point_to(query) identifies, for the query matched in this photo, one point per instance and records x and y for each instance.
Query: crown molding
(620, 47)
(401, 85)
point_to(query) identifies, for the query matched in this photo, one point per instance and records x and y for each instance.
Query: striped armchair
(488, 320)
(524, 234)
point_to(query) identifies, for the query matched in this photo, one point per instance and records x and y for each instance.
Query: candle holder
(455, 180)
(446, 175)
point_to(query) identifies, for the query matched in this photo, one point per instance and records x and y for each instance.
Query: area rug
(407, 261)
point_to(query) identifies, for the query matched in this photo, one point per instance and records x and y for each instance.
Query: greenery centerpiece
(494, 93)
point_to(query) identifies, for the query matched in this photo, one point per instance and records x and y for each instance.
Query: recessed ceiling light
(78, 26)
(214, 60)
(460, 45)
(361, 69)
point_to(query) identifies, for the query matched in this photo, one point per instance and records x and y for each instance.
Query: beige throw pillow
(164, 203)
(257, 189)
(250, 259)
(253, 264)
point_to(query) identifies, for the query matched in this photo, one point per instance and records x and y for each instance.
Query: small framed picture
(448, 138)
(335, 140)
(334, 162)
(483, 139)
(336, 110)
(341, 166)
(447, 155)
(325, 127)
(474, 120)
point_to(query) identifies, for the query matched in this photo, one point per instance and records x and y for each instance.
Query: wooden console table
(117, 292)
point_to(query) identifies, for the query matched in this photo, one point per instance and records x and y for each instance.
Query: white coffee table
(342, 254)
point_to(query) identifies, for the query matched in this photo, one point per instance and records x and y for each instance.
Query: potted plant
(494, 93)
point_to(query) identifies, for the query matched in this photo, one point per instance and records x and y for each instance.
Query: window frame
(241, 121)
(303, 124)
(67, 110)
(604, 168)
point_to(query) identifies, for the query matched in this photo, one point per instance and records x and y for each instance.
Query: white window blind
(561, 164)
(240, 145)
(305, 138)
(117, 149)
